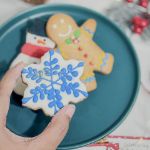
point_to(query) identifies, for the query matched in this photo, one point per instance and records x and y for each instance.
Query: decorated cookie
(53, 83)
(36, 45)
(76, 43)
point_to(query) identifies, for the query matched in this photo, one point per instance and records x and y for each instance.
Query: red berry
(137, 29)
(144, 23)
(144, 0)
(129, 1)
(144, 3)
(136, 20)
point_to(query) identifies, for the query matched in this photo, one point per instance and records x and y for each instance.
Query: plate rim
(126, 113)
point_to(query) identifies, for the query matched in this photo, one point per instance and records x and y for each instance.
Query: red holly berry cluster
(143, 3)
(139, 22)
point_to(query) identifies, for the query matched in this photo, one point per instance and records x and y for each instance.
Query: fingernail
(70, 110)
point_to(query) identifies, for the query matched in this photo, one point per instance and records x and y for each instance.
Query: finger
(8, 82)
(56, 130)
(7, 85)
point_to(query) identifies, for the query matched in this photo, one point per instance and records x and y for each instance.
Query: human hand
(51, 136)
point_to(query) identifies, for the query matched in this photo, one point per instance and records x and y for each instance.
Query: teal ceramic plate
(105, 108)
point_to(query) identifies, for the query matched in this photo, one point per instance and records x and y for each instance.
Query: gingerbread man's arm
(89, 26)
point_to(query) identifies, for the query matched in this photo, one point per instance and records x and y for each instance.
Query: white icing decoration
(67, 33)
(54, 26)
(62, 21)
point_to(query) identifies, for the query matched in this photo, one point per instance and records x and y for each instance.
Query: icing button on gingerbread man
(61, 28)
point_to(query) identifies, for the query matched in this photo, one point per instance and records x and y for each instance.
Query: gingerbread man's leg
(90, 83)
(106, 61)
(107, 64)
(90, 27)
(88, 78)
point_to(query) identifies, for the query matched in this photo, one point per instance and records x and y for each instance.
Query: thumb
(56, 130)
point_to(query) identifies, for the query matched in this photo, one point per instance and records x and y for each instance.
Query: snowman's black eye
(44, 40)
(35, 37)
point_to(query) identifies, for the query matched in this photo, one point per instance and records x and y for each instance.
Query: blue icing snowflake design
(53, 81)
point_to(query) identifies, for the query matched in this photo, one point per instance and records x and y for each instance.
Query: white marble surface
(138, 121)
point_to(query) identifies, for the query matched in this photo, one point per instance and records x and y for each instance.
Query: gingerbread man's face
(65, 32)
(61, 27)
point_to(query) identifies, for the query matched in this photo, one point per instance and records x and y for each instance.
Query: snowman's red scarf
(33, 50)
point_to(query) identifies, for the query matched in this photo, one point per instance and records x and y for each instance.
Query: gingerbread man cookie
(76, 43)
(53, 83)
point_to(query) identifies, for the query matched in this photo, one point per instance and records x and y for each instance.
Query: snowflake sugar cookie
(53, 83)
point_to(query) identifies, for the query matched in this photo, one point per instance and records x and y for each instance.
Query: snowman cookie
(53, 83)
(76, 43)
(36, 45)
